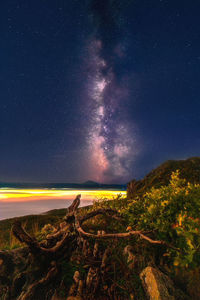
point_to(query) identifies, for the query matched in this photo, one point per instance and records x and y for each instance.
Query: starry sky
(101, 90)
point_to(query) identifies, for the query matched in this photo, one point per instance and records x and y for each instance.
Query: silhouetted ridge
(189, 169)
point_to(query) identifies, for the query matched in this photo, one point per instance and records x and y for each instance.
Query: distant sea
(15, 202)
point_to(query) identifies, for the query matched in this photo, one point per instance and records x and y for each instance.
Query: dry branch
(61, 238)
(75, 204)
(61, 244)
(69, 217)
(24, 237)
(32, 243)
(100, 211)
(81, 220)
(68, 237)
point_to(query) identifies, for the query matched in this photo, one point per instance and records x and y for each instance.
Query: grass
(31, 223)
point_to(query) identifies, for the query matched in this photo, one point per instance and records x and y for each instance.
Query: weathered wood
(124, 235)
(63, 237)
(80, 220)
(25, 238)
(35, 247)
(69, 217)
(60, 245)
(75, 204)
(38, 286)
(59, 240)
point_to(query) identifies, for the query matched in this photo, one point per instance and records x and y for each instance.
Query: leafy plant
(172, 213)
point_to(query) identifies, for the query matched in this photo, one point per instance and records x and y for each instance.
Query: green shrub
(172, 213)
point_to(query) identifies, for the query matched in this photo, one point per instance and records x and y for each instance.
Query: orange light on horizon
(19, 195)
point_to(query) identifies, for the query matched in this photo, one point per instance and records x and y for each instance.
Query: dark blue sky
(103, 90)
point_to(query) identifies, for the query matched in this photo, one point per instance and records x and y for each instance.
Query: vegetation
(101, 250)
(169, 213)
(172, 213)
(32, 223)
(189, 170)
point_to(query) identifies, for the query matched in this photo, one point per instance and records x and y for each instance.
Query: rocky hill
(189, 169)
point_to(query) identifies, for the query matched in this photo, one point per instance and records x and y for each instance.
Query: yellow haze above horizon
(16, 195)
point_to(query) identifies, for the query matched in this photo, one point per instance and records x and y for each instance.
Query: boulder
(157, 285)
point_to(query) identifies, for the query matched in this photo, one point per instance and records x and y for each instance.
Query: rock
(157, 285)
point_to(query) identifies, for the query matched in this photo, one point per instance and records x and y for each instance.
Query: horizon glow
(20, 195)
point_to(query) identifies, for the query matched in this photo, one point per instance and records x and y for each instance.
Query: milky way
(111, 140)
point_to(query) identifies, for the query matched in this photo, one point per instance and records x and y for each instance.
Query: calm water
(20, 202)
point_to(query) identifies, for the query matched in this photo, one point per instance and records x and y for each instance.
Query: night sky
(101, 90)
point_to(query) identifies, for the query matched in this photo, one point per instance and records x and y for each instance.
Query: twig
(80, 220)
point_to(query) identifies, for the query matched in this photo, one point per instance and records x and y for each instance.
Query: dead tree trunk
(45, 258)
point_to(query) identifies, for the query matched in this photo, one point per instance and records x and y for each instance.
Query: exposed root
(37, 287)
(60, 245)
(80, 220)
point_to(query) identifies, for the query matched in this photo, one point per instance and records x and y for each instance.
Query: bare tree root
(34, 246)
(80, 220)
(59, 246)
(76, 222)
(38, 286)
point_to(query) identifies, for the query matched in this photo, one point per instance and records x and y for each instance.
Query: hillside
(189, 169)
(32, 223)
(120, 249)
